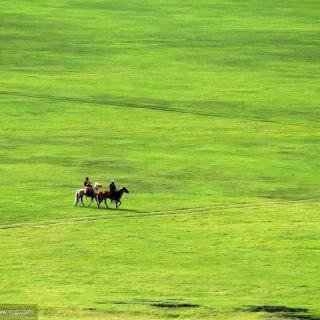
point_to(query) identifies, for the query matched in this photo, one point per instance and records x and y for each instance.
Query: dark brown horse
(115, 197)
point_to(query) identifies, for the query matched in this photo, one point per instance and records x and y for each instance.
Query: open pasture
(208, 111)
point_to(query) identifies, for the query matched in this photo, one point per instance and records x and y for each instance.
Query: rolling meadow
(208, 111)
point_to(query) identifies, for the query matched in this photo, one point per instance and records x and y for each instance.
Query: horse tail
(76, 198)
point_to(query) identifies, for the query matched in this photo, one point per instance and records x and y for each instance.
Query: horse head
(97, 185)
(125, 190)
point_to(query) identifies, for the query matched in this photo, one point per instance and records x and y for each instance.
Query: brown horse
(88, 192)
(115, 197)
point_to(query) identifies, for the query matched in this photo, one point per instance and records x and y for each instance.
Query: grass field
(208, 111)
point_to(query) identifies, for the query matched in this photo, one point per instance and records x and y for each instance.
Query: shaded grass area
(285, 312)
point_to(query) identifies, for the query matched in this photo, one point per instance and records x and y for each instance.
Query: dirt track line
(182, 211)
(155, 107)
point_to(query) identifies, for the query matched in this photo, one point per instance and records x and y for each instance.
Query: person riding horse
(115, 197)
(88, 190)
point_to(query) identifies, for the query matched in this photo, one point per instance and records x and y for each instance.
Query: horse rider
(87, 184)
(113, 188)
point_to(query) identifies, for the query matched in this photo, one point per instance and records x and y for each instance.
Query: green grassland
(208, 111)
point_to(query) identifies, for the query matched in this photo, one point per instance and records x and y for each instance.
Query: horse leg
(118, 204)
(105, 202)
(76, 199)
(81, 198)
(90, 202)
(99, 200)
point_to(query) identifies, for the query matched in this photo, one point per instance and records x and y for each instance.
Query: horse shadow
(124, 210)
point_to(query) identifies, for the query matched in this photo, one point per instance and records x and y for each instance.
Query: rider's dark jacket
(113, 188)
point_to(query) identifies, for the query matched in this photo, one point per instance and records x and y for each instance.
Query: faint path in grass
(137, 214)
(127, 104)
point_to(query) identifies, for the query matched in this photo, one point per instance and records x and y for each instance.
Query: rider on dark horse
(112, 194)
(113, 188)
